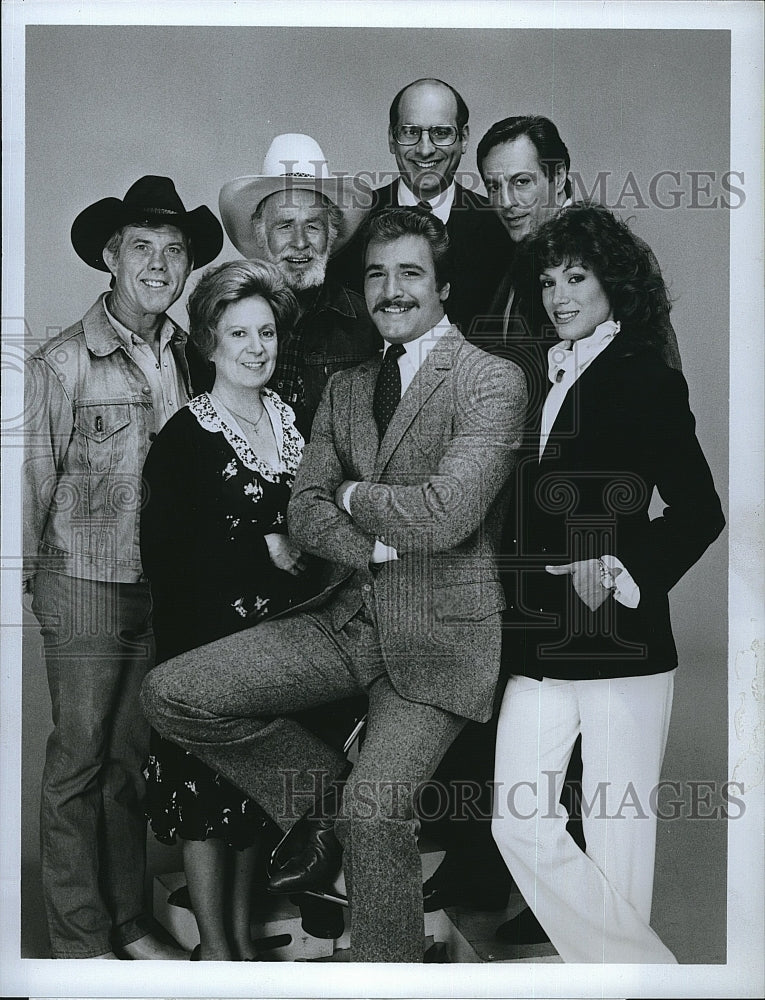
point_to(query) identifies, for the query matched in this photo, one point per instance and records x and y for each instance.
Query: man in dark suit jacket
(428, 134)
(403, 488)
(525, 166)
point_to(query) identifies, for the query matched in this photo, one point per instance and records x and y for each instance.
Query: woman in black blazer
(590, 579)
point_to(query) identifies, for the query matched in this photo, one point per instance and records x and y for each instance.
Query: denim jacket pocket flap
(98, 421)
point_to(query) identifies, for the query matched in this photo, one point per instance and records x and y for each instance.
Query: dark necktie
(387, 388)
(424, 206)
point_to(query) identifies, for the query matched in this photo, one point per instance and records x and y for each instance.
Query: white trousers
(594, 906)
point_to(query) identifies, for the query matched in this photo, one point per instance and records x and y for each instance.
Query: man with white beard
(296, 215)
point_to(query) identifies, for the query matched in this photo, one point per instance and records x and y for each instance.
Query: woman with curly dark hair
(592, 575)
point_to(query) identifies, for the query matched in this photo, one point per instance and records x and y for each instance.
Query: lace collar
(289, 441)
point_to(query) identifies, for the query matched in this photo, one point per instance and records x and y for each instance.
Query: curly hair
(593, 236)
(392, 223)
(234, 281)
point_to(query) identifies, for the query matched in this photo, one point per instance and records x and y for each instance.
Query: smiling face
(425, 168)
(575, 300)
(150, 270)
(518, 190)
(245, 346)
(296, 234)
(400, 289)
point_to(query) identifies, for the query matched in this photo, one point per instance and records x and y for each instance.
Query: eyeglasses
(440, 135)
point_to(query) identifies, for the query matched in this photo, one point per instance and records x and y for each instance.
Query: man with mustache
(296, 215)
(428, 134)
(403, 488)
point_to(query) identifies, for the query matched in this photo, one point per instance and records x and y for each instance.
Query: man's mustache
(389, 303)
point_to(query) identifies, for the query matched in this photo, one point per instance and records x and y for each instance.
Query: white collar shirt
(566, 362)
(441, 205)
(416, 351)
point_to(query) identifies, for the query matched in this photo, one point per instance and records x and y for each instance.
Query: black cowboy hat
(150, 199)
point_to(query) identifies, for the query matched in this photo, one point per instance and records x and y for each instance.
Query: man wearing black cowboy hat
(96, 396)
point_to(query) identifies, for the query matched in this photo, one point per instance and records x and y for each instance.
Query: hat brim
(239, 199)
(95, 225)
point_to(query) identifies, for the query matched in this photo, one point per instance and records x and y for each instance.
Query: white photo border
(742, 975)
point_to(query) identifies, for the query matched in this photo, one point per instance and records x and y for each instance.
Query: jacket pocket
(104, 428)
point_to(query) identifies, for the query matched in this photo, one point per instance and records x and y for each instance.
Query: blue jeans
(98, 647)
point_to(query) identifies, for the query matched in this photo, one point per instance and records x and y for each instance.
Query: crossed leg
(225, 703)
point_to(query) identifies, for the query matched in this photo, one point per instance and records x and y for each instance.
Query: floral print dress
(209, 502)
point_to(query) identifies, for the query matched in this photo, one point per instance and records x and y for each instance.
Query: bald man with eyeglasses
(428, 134)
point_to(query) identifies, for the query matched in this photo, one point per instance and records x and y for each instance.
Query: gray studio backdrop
(646, 117)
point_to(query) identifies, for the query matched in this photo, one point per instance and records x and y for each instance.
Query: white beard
(310, 277)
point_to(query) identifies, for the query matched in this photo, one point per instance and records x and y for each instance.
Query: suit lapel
(385, 197)
(364, 437)
(583, 394)
(431, 374)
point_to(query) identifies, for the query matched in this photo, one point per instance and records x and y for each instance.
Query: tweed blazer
(625, 427)
(437, 489)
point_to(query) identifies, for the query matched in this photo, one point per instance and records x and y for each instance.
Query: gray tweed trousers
(224, 702)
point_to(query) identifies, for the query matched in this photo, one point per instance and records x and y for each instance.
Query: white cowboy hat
(292, 161)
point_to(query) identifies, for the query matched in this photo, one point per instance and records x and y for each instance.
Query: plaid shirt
(335, 333)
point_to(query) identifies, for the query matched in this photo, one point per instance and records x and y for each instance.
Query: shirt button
(153, 436)
(366, 588)
(147, 390)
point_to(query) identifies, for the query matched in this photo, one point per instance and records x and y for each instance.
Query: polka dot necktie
(387, 388)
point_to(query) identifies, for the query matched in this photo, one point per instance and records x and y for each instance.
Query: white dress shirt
(416, 351)
(441, 204)
(565, 363)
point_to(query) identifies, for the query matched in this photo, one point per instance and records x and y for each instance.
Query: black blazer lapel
(584, 399)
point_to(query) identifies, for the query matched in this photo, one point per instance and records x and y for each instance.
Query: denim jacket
(89, 424)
